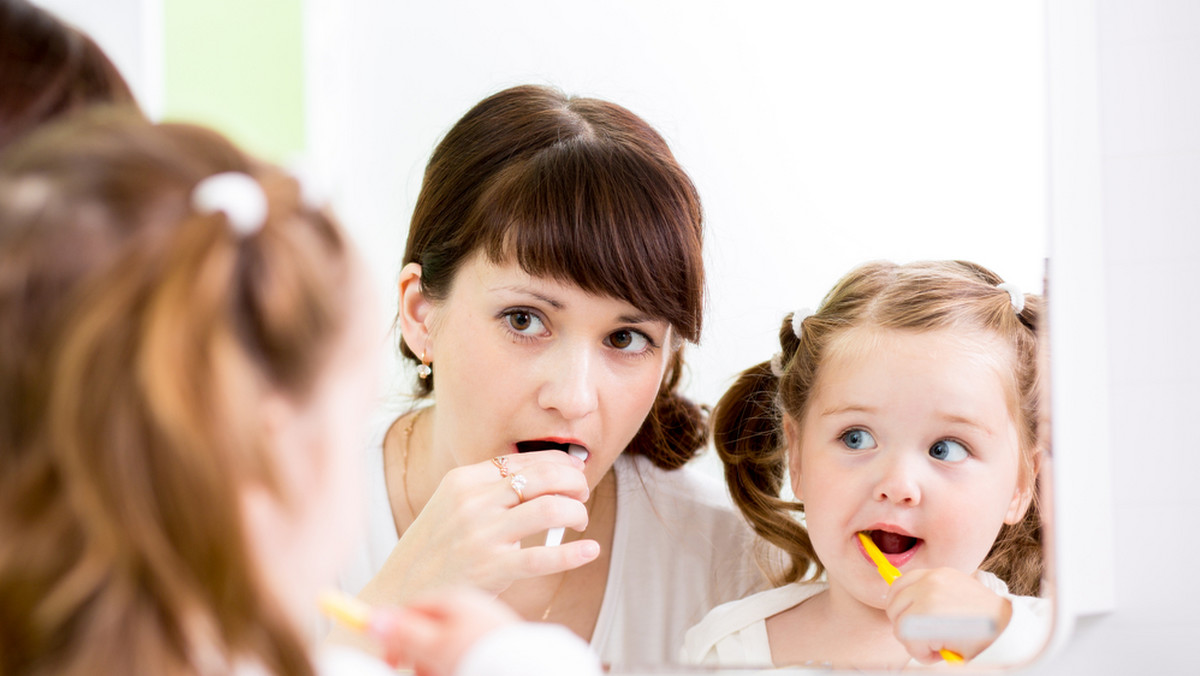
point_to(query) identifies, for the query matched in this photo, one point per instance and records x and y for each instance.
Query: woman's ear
(414, 312)
(791, 439)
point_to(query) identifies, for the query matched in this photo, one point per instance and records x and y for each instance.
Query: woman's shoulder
(735, 632)
(638, 474)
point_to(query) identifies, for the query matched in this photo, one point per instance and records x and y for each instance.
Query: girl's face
(302, 538)
(909, 437)
(521, 359)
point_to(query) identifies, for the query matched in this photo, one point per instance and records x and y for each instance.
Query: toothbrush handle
(950, 656)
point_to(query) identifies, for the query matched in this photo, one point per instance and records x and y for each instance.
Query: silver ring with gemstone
(518, 484)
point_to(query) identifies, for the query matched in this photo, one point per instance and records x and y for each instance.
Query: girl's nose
(570, 385)
(898, 482)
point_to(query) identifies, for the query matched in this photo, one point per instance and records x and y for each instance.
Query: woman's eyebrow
(552, 302)
(637, 319)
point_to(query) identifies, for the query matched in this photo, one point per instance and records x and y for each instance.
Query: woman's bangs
(602, 222)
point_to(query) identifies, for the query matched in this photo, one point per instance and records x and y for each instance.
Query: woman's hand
(945, 593)
(469, 533)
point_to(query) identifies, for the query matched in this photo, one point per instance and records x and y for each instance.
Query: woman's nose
(571, 383)
(898, 481)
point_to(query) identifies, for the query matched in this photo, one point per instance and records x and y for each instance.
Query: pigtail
(1017, 556)
(676, 428)
(747, 433)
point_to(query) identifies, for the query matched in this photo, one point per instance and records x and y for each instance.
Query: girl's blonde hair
(747, 422)
(140, 337)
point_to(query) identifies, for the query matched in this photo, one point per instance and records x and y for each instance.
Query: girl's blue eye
(859, 440)
(524, 322)
(628, 340)
(949, 451)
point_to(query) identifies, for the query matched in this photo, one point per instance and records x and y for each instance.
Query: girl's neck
(837, 629)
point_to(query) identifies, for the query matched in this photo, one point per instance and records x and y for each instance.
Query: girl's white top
(735, 634)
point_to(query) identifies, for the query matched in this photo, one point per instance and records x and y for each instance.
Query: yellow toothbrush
(889, 573)
(345, 609)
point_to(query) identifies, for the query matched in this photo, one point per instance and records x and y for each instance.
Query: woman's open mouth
(547, 445)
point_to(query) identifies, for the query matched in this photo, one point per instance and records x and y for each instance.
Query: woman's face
(520, 359)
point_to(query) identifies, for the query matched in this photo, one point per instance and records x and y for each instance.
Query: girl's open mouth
(892, 543)
(897, 547)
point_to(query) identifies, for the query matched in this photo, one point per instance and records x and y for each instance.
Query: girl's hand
(945, 592)
(434, 633)
(469, 533)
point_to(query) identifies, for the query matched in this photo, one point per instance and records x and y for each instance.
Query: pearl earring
(424, 370)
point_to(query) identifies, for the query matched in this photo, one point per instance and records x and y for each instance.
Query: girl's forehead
(949, 360)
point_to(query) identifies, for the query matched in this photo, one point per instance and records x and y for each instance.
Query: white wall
(819, 134)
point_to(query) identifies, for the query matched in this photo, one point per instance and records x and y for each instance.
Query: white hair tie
(1014, 295)
(777, 364)
(798, 318)
(236, 194)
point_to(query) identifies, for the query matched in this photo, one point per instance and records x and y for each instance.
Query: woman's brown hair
(148, 334)
(747, 422)
(579, 190)
(48, 69)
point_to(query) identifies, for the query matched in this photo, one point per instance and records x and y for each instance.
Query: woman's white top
(679, 549)
(735, 634)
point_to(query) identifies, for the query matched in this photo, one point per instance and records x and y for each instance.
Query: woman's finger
(540, 514)
(540, 560)
(538, 479)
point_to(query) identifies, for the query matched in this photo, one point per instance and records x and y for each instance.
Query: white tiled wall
(1149, 125)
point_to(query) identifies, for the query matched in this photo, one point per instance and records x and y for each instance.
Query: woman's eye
(627, 340)
(950, 451)
(859, 440)
(524, 322)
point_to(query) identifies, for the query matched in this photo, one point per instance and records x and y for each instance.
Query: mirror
(819, 134)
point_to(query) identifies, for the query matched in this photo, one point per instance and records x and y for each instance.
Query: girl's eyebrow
(849, 408)
(964, 420)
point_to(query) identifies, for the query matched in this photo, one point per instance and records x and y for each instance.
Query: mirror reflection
(593, 227)
(818, 138)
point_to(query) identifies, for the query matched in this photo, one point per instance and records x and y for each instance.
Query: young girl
(198, 355)
(200, 350)
(905, 408)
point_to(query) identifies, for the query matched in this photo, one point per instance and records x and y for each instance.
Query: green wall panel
(237, 66)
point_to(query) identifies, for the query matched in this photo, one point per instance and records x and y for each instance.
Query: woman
(48, 69)
(553, 271)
